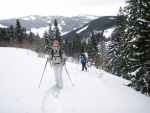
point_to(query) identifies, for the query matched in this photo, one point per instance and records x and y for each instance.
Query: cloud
(15, 8)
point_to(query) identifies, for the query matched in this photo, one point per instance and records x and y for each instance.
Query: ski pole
(78, 62)
(43, 73)
(68, 76)
(78, 65)
(50, 64)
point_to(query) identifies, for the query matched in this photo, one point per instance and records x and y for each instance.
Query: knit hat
(55, 42)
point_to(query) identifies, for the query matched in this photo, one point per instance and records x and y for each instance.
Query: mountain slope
(36, 21)
(99, 24)
(21, 73)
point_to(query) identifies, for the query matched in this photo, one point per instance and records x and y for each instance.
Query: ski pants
(58, 75)
(84, 66)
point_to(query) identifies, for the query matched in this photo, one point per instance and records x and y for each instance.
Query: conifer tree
(78, 44)
(83, 47)
(111, 59)
(74, 46)
(11, 34)
(37, 38)
(31, 37)
(66, 46)
(102, 49)
(56, 32)
(50, 36)
(47, 42)
(37, 43)
(18, 32)
(90, 48)
(116, 48)
(94, 42)
(3, 36)
(138, 31)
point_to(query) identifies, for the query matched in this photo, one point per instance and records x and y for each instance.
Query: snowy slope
(20, 74)
(1, 26)
(108, 32)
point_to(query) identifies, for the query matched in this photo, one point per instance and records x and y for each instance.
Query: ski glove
(64, 62)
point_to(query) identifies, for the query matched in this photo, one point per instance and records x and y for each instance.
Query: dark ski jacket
(83, 58)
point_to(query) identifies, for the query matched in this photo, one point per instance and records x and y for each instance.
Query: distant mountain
(40, 23)
(102, 23)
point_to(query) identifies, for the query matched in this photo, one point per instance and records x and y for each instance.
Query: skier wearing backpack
(84, 60)
(57, 57)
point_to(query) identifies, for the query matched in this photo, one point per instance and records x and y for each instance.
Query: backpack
(83, 59)
(60, 53)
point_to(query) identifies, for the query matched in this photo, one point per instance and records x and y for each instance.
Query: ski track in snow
(94, 91)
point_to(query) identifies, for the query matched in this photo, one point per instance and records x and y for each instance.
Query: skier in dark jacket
(84, 60)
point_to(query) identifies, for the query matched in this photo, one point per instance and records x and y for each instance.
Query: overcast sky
(20, 8)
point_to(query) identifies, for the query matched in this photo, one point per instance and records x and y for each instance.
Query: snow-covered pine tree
(101, 44)
(31, 37)
(138, 30)
(116, 64)
(93, 48)
(37, 43)
(111, 56)
(95, 44)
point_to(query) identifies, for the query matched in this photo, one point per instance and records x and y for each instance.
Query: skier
(84, 60)
(58, 60)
